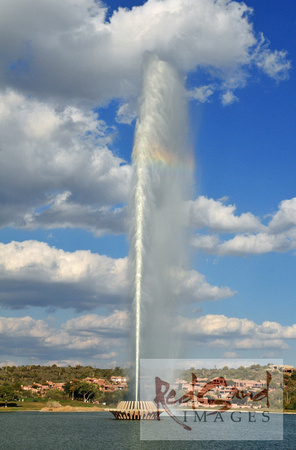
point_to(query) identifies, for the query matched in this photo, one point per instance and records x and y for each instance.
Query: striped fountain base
(135, 411)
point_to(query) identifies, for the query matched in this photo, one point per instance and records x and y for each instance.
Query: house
(119, 379)
(37, 388)
(286, 369)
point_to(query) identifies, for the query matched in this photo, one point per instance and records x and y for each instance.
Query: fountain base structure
(135, 411)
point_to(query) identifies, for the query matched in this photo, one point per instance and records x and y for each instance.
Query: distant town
(79, 383)
(25, 384)
(116, 383)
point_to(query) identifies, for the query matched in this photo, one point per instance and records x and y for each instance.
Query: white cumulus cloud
(69, 50)
(56, 169)
(191, 286)
(215, 215)
(115, 323)
(236, 334)
(252, 237)
(29, 339)
(33, 273)
(228, 98)
(202, 93)
(102, 337)
(285, 217)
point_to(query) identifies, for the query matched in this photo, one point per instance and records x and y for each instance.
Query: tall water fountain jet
(162, 165)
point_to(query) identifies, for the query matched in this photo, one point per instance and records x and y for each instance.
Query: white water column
(162, 165)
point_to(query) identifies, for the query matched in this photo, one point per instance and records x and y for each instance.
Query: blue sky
(70, 83)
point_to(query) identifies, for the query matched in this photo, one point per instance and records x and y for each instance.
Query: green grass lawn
(30, 404)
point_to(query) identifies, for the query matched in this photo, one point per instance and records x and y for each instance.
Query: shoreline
(71, 409)
(62, 409)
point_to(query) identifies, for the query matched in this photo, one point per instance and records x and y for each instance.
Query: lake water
(90, 431)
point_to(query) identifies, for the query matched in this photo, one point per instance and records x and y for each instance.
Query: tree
(114, 397)
(55, 394)
(7, 394)
(293, 376)
(86, 390)
(71, 388)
